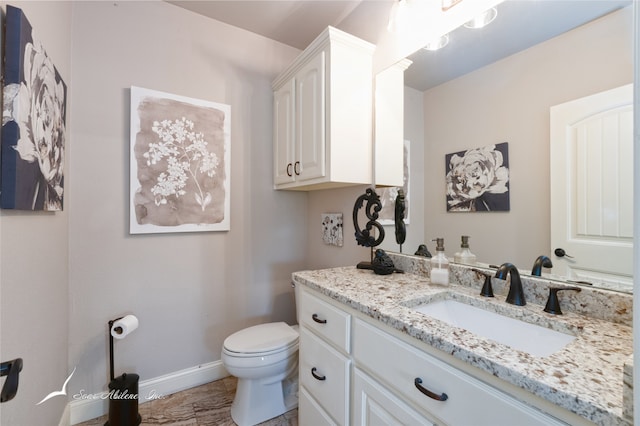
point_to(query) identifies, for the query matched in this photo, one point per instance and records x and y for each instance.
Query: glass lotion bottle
(464, 255)
(439, 265)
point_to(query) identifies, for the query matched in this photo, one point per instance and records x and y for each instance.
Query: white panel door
(592, 186)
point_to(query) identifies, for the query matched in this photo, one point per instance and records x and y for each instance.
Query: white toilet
(264, 358)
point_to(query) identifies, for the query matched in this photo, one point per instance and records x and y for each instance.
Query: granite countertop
(586, 377)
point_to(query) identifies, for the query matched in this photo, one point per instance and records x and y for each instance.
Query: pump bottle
(439, 265)
(464, 255)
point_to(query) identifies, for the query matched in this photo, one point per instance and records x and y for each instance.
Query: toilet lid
(261, 338)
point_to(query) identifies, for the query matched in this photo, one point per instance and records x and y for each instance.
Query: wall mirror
(498, 84)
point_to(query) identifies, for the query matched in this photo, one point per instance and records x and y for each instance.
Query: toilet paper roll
(122, 327)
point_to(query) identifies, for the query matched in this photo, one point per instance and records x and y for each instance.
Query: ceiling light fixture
(483, 19)
(437, 44)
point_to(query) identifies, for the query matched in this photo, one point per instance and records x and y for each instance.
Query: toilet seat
(261, 340)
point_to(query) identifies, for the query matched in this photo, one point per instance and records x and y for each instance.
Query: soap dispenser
(439, 264)
(464, 255)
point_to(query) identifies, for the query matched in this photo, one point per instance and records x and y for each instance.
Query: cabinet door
(373, 405)
(283, 133)
(310, 119)
(310, 412)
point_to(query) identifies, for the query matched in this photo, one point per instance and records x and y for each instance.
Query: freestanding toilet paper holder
(123, 393)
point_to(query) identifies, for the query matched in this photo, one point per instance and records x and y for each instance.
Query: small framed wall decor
(180, 159)
(332, 229)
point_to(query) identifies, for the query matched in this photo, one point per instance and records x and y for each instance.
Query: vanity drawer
(324, 373)
(468, 400)
(329, 322)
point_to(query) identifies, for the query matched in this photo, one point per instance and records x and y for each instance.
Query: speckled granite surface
(627, 410)
(598, 303)
(586, 377)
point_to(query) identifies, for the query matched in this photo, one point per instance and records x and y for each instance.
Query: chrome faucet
(516, 294)
(541, 261)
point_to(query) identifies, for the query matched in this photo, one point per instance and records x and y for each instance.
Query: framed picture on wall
(33, 122)
(180, 159)
(478, 179)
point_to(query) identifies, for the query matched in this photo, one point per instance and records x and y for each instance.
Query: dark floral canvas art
(33, 122)
(478, 179)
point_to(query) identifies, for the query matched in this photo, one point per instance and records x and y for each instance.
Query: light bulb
(437, 44)
(482, 20)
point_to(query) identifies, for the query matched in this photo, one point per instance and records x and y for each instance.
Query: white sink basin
(533, 339)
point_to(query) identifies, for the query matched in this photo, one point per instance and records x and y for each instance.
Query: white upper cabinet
(323, 115)
(389, 125)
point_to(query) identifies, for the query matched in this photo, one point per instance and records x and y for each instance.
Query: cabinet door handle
(296, 168)
(432, 395)
(316, 376)
(318, 320)
(289, 170)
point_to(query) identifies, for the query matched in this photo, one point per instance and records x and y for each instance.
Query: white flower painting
(179, 163)
(478, 179)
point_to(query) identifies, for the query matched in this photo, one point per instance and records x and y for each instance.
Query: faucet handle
(487, 289)
(553, 304)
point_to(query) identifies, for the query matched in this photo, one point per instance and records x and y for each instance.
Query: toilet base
(257, 401)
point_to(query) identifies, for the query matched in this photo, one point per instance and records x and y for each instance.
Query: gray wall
(188, 290)
(34, 308)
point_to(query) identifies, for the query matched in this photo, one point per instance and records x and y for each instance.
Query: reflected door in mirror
(592, 186)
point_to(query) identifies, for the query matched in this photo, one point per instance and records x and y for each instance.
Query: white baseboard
(65, 420)
(87, 409)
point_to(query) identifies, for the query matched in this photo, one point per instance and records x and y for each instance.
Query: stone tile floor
(206, 405)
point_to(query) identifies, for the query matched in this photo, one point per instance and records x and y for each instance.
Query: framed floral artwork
(33, 122)
(180, 159)
(478, 179)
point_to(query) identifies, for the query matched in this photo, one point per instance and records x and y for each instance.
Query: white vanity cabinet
(324, 362)
(354, 371)
(323, 115)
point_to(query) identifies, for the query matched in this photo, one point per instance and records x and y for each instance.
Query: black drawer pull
(418, 383)
(317, 377)
(318, 320)
(296, 168)
(289, 170)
